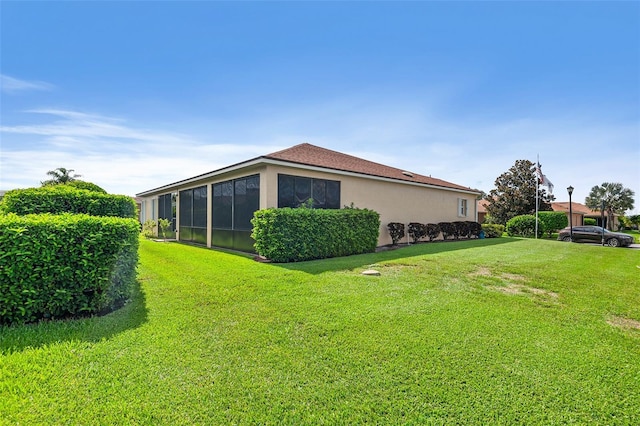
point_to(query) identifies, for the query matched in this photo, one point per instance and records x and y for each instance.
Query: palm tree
(615, 197)
(60, 176)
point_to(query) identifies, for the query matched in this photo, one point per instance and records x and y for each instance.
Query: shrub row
(56, 266)
(67, 199)
(419, 231)
(297, 234)
(525, 225)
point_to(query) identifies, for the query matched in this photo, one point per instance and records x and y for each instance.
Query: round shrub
(492, 230)
(80, 184)
(524, 226)
(590, 221)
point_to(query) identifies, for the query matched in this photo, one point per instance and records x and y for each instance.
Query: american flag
(543, 179)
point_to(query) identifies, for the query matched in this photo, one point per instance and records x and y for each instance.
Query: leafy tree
(635, 220)
(515, 194)
(617, 199)
(60, 176)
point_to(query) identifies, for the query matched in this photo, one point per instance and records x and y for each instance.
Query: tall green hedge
(524, 226)
(290, 235)
(553, 221)
(67, 199)
(55, 266)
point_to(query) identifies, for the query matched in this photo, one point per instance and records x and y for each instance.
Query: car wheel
(566, 239)
(613, 242)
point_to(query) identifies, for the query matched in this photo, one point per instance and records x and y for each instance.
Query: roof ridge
(313, 155)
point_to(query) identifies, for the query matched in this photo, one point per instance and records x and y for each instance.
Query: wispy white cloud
(13, 85)
(110, 152)
(128, 159)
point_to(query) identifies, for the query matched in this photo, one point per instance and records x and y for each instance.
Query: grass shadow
(402, 252)
(17, 338)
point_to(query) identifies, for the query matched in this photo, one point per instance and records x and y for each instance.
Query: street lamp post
(570, 191)
(602, 220)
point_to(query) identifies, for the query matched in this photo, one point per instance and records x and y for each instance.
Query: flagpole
(537, 190)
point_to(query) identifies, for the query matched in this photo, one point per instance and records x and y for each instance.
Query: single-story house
(215, 208)
(579, 212)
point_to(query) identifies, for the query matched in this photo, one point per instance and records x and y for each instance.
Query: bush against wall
(67, 199)
(56, 266)
(417, 231)
(524, 226)
(448, 230)
(297, 234)
(589, 221)
(396, 231)
(433, 231)
(553, 221)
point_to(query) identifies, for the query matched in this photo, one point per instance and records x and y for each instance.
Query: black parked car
(593, 234)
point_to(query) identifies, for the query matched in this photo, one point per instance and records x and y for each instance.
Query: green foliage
(635, 220)
(433, 231)
(149, 228)
(553, 221)
(448, 229)
(617, 200)
(524, 226)
(164, 225)
(589, 221)
(417, 231)
(290, 235)
(67, 199)
(492, 230)
(54, 266)
(80, 184)
(515, 194)
(460, 229)
(396, 231)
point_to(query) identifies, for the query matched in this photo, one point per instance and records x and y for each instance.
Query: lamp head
(570, 190)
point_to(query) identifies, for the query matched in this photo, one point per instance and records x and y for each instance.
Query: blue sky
(134, 95)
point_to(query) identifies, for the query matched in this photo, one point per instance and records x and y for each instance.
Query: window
(193, 215)
(167, 209)
(294, 191)
(462, 207)
(234, 203)
(222, 205)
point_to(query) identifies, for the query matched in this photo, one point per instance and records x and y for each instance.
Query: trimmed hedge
(297, 234)
(57, 266)
(589, 221)
(67, 199)
(492, 230)
(524, 226)
(396, 231)
(553, 221)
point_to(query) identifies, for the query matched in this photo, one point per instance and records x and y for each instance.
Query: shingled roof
(311, 155)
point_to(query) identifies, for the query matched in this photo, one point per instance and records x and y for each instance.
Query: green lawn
(503, 331)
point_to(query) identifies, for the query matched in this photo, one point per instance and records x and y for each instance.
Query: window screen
(294, 191)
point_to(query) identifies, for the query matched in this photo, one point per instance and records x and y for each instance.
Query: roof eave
(266, 160)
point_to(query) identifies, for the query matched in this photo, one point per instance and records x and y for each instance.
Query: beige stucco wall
(395, 201)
